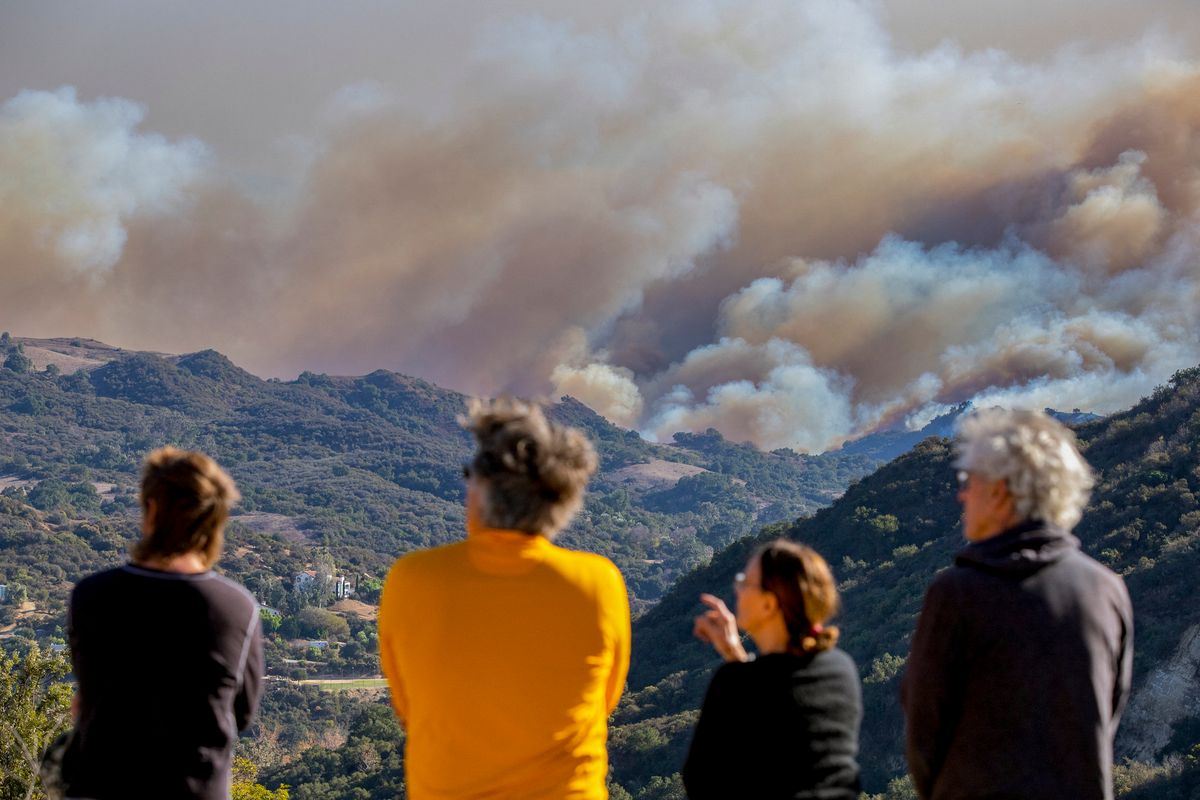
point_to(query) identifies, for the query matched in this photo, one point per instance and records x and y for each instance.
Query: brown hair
(535, 470)
(192, 497)
(804, 585)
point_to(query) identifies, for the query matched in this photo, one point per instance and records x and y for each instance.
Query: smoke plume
(766, 217)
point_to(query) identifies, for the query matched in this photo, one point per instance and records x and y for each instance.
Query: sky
(794, 221)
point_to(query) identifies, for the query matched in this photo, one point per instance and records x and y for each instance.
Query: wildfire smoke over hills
(766, 217)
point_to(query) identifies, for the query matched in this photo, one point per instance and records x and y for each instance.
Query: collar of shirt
(506, 552)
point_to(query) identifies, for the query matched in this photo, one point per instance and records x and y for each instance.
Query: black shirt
(170, 669)
(781, 726)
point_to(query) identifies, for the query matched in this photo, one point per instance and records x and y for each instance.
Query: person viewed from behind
(167, 654)
(505, 653)
(784, 724)
(1021, 661)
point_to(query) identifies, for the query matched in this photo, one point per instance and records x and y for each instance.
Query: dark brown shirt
(170, 669)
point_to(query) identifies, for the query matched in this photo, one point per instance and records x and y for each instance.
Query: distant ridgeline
(889, 534)
(888, 444)
(362, 468)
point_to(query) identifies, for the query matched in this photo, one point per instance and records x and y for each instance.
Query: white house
(343, 587)
(301, 580)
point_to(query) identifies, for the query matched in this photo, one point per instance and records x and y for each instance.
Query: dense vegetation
(362, 469)
(339, 476)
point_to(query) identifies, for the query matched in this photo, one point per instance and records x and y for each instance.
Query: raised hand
(718, 627)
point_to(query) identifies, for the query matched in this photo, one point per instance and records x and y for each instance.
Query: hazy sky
(792, 221)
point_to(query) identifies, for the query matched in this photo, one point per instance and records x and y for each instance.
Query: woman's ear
(770, 603)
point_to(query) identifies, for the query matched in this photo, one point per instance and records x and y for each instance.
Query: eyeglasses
(739, 583)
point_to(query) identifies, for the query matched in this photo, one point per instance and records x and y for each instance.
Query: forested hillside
(893, 530)
(340, 475)
(361, 468)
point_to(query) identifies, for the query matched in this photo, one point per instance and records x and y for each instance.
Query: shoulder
(100, 579)
(771, 677)
(1100, 573)
(1092, 575)
(432, 558)
(95, 584)
(229, 589)
(732, 675)
(591, 567)
(424, 565)
(841, 673)
(951, 582)
(949, 598)
(837, 660)
(833, 664)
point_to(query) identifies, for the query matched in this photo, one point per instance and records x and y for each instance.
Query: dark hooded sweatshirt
(1019, 670)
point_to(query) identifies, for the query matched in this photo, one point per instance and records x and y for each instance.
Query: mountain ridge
(300, 448)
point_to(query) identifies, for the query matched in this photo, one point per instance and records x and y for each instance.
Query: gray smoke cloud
(773, 219)
(79, 173)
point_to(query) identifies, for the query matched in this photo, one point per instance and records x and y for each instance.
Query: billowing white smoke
(761, 217)
(611, 391)
(76, 173)
(908, 328)
(769, 393)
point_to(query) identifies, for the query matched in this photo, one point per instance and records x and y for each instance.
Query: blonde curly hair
(1037, 457)
(533, 470)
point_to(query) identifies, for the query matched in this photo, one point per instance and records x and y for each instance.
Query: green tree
(663, 788)
(897, 789)
(319, 623)
(18, 362)
(271, 620)
(884, 668)
(246, 787)
(18, 593)
(37, 708)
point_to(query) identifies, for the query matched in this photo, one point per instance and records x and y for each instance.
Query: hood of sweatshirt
(1021, 550)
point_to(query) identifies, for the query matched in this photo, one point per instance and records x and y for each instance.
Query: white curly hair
(1035, 454)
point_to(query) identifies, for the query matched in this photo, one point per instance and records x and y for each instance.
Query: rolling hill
(364, 468)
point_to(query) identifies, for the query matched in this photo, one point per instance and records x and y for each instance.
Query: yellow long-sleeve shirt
(505, 655)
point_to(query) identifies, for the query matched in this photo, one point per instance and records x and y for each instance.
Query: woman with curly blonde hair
(794, 710)
(505, 653)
